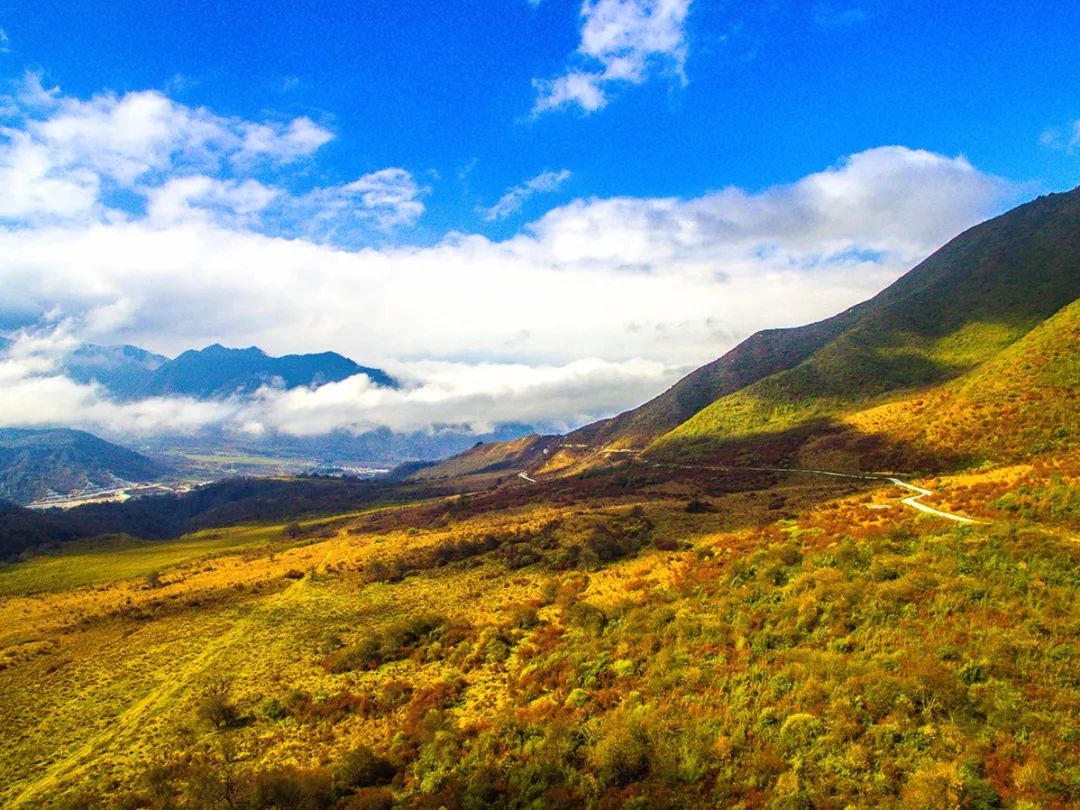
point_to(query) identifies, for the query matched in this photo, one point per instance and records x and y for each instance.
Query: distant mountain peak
(213, 372)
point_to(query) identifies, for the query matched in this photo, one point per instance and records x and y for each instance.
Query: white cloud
(300, 138)
(514, 198)
(621, 41)
(5, 42)
(388, 198)
(575, 87)
(676, 281)
(61, 158)
(391, 194)
(208, 199)
(879, 200)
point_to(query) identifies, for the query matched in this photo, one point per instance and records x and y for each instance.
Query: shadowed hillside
(763, 353)
(492, 457)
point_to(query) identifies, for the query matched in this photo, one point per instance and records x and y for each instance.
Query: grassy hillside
(638, 635)
(35, 463)
(963, 305)
(1023, 402)
(787, 642)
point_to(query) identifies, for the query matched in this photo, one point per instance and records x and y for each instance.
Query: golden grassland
(631, 639)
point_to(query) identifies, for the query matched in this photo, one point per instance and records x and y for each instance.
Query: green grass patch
(97, 562)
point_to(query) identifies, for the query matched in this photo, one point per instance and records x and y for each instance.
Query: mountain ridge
(217, 372)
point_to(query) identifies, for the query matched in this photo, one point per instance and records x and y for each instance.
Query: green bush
(214, 707)
(361, 768)
(622, 756)
(273, 710)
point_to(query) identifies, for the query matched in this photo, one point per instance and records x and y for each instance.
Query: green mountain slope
(34, 463)
(1023, 402)
(960, 307)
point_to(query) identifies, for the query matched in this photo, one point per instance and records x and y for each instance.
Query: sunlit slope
(959, 308)
(1023, 402)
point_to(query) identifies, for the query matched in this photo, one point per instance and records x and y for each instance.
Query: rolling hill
(35, 463)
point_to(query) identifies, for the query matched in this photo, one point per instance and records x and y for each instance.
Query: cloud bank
(475, 398)
(110, 158)
(589, 309)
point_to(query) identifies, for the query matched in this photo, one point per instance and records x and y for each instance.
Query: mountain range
(972, 355)
(215, 372)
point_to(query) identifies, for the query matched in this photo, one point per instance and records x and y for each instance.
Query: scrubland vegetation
(630, 638)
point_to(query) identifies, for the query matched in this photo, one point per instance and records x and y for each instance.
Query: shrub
(523, 617)
(392, 643)
(799, 731)
(273, 710)
(973, 672)
(292, 788)
(622, 756)
(215, 708)
(361, 768)
(588, 617)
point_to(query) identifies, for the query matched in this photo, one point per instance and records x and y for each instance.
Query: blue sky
(772, 91)
(530, 211)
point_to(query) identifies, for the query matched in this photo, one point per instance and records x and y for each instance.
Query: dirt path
(132, 718)
(912, 501)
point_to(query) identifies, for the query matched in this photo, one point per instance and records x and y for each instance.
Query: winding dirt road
(913, 502)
